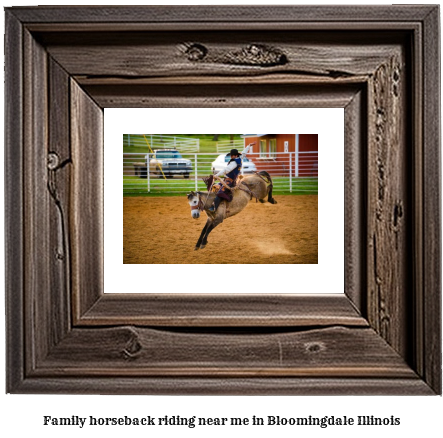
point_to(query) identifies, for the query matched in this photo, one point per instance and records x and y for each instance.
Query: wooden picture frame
(65, 64)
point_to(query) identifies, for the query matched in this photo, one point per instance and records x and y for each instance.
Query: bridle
(200, 205)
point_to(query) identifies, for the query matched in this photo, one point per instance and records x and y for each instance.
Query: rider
(231, 172)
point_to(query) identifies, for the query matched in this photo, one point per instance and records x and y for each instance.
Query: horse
(258, 185)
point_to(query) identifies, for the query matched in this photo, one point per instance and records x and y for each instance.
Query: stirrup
(214, 206)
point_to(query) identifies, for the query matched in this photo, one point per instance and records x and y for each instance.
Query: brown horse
(258, 185)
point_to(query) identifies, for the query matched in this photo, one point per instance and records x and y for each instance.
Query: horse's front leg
(217, 221)
(199, 241)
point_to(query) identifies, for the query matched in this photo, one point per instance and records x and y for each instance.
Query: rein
(201, 205)
(266, 181)
(225, 185)
(243, 187)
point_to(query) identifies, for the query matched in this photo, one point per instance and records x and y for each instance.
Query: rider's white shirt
(232, 165)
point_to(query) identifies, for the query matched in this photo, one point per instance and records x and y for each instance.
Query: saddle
(222, 190)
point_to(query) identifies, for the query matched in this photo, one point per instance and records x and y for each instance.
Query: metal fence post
(297, 153)
(290, 172)
(148, 172)
(196, 172)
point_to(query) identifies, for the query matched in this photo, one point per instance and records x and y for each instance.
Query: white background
(325, 277)
(21, 415)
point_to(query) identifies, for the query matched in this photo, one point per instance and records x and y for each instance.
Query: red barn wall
(308, 142)
(249, 140)
(280, 164)
(281, 138)
(308, 163)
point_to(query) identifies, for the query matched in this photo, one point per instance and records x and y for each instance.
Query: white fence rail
(156, 141)
(291, 172)
(226, 146)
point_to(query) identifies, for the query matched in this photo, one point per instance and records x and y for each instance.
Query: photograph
(220, 198)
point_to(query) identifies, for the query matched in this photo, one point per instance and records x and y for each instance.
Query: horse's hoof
(196, 248)
(273, 201)
(202, 246)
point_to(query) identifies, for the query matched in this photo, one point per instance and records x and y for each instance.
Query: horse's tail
(268, 178)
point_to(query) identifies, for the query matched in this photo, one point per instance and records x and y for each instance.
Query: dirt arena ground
(161, 230)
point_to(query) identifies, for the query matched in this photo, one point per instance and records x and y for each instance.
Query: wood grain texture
(205, 310)
(86, 208)
(224, 96)
(223, 14)
(129, 351)
(14, 203)
(224, 53)
(38, 306)
(64, 65)
(417, 357)
(275, 78)
(355, 194)
(58, 185)
(431, 321)
(226, 386)
(232, 26)
(388, 204)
